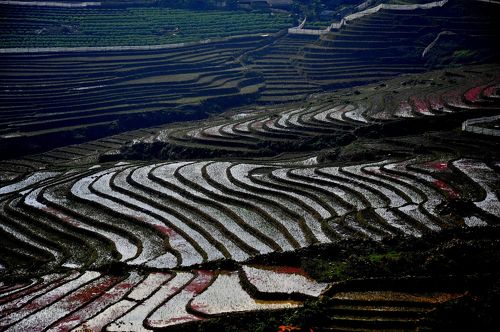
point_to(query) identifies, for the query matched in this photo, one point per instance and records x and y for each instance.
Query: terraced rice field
(369, 49)
(73, 95)
(133, 302)
(340, 113)
(161, 300)
(182, 225)
(198, 212)
(248, 131)
(188, 215)
(168, 225)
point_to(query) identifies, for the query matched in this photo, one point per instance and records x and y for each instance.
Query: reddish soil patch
(474, 94)
(288, 270)
(445, 187)
(201, 282)
(439, 165)
(420, 105)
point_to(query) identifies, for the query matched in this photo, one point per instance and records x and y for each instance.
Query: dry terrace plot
(371, 49)
(80, 96)
(114, 91)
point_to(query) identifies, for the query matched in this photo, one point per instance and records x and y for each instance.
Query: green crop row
(37, 27)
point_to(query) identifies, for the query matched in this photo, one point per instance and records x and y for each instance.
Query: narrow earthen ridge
(471, 126)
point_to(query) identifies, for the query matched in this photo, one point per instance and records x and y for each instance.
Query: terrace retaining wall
(376, 9)
(298, 31)
(120, 48)
(366, 12)
(471, 126)
(491, 1)
(50, 4)
(433, 43)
